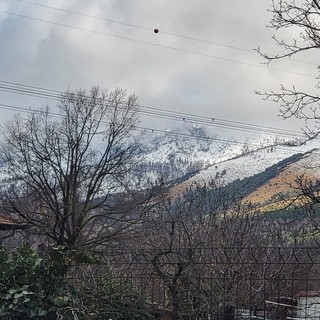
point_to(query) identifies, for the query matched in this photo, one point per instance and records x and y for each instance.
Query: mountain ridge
(237, 162)
(190, 149)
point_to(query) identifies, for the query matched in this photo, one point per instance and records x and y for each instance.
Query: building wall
(309, 308)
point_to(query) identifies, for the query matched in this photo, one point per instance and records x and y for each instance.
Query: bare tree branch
(304, 18)
(69, 173)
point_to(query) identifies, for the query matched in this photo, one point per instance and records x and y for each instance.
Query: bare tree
(192, 243)
(69, 170)
(302, 16)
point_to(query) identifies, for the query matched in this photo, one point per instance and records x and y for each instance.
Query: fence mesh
(201, 283)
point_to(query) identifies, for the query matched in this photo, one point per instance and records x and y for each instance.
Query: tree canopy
(68, 170)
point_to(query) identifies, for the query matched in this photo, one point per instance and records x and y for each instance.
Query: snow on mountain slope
(255, 162)
(197, 152)
(286, 180)
(191, 148)
(186, 143)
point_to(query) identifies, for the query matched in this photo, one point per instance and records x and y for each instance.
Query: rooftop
(9, 224)
(308, 294)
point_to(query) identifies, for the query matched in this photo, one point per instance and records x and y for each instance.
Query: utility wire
(86, 15)
(151, 111)
(56, 95)
(261, 66)
(206, 138)
(151, 29)
(219, 140)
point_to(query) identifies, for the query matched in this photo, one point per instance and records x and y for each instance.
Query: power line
(35, 91)
(135, 26)
(151, 29)
(206, 138)
(152, 111)
(219, 140)
(157, 45)
(244, 127)
(86, 15)
(222, 122)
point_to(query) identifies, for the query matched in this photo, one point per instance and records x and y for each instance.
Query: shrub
(108, 295)
(33, 287)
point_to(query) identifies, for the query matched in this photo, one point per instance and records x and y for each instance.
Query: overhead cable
(261, 66)
(151, 29)
(18, 88)
(153, 130)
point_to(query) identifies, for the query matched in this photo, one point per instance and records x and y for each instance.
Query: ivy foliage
(44, 286)
(33, 287)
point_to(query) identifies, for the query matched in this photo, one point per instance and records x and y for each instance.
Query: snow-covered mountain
(254, 162)
(196, 151)
(192, 153)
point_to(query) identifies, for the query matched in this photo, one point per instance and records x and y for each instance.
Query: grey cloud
(52, 56)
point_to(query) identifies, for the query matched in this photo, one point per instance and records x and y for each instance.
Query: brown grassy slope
(285, 182)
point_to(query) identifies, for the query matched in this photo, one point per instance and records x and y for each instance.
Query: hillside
(195, 150)
(258, 170)
(283, 183)
(260, 177)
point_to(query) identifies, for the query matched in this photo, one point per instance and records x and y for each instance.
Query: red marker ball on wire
(156, 30)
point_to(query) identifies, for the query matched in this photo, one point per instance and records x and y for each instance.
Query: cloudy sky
(201, 61)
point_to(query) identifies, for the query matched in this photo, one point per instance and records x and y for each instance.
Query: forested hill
(249, 185)
(262, 177)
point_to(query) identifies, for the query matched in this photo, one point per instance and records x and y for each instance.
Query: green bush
(32, 287)
(45, 287)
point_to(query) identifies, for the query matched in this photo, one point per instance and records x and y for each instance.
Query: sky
(200, 62)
